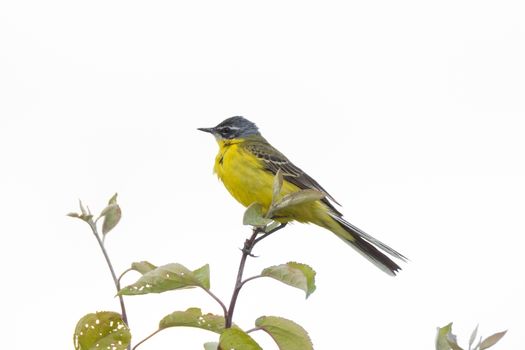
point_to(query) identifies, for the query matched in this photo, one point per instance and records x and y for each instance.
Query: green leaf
(236, 339)
(476, 347)
(453, 342)
(253, 216)
(441, 339)
(102, 330)
(273, 225)
(202, 274)
(473, 337)
(211, 346)
(297, 198)
(111, 214)
(143, 266)
(287, 334)
(111, 218)
(82, 208)
(168, 277)
(113, 199)
(492, 340)
(85, 215)
(293, 274)
(108, 209)
(193, 317)
(82, 217)
(277, 185)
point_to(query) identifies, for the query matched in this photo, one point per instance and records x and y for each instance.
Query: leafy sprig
(287, 334)
(446, 340)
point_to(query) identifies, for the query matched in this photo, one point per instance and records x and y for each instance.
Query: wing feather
(275, 160)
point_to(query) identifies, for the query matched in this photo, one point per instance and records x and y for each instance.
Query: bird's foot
(281, 226)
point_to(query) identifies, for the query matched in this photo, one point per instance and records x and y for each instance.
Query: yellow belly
(247, 181)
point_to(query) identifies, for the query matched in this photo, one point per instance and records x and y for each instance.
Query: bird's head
(233, 128)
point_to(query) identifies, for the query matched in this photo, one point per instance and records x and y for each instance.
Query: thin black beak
(210, 130)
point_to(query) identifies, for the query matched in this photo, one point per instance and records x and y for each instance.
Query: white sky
(410, 113)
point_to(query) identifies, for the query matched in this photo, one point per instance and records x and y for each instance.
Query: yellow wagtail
(247, 163)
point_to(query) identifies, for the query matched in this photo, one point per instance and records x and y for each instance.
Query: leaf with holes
(293, 274)
(492, 340)
(101, 330)
(287, 334)
(253, 216)
(169, 277)
(193, 317)
(111, 214)
(143, 266)
(236, 339)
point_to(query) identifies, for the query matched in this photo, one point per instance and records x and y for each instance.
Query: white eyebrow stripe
(231, 127)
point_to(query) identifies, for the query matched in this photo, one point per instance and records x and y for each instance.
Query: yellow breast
(243, 174)
(248, 182)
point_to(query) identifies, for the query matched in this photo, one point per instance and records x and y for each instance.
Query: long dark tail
(371, 248)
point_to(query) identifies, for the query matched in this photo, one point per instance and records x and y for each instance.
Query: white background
(409, 112)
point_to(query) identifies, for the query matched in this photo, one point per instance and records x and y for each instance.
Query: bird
(247, 164)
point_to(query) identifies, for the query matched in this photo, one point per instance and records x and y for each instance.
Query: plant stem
(108, 261)
(253, 330)
(148, 337)
(281, 226)
(250, 279)
(225, 311)
(122, 275)
(246, 251)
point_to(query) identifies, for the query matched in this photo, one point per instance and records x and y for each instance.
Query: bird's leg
(270, 232)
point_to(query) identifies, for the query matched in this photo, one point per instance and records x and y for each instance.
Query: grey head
(233, 128)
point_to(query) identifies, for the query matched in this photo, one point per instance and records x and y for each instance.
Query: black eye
(226, 129)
